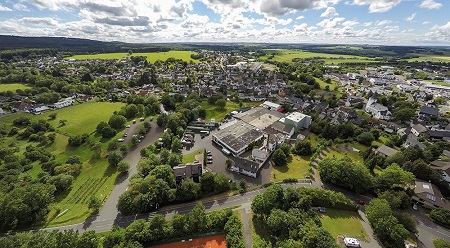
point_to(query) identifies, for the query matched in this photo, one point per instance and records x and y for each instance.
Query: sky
(377, 22)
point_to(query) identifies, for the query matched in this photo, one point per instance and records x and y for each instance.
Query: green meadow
(151, 57)
(13, 87)
(288, 55)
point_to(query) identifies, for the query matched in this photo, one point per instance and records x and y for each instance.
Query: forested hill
(8, 42)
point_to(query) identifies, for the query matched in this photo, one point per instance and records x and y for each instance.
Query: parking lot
(218, 165)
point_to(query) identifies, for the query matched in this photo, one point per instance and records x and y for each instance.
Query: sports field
(288, 55)
(151, 57)
(216, 241)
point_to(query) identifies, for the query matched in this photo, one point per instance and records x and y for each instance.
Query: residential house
(386, 151)
(352, 101)
(377, 110)
(444, 167)
(190, 170)
(440, 135)
(429, 196)
(419, 130)
(412, 140)
(427, 112)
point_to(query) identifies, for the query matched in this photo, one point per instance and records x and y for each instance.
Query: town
(357, 138)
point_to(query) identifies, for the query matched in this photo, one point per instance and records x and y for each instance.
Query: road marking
(437, 231)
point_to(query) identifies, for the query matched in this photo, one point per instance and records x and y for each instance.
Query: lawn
(288, 55)
(189, 158)
(313, 139)
(151, 57)
(343, 222)
(354, 156)
(13, 87)
(298, 167)
(212, 111)
(323, 84)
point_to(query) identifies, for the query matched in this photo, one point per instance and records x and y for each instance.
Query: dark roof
(429, 111)
(386, 150)
(439, 134)
(247, 164)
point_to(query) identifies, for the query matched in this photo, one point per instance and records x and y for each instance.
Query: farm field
(343, 222)
(151, 57)
(13, 87)
(81, 118)
(298, 167)
(288, 55)
(212, 111)
(430, 57)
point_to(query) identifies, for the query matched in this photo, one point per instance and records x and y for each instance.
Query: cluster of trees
(441, 216)
(140, 233)
(287, 216)
(38, 130)
(281, 155)
(386, 223)
(155, 186)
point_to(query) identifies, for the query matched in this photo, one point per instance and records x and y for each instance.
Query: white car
(128, 126)
(121, 140)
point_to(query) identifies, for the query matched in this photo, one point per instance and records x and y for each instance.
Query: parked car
(208, 152)
(128, 126)
(361, 202)
(134, 121)
(414, 206)
(209, 162)
(121, 140)
(124, 134)
(142, 119)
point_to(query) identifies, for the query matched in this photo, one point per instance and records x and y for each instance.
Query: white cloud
(411, 17)
(441, 33)
(430, 4)
(378, 5)
(37, 21)
(383, 22)
(299, 17)
(330, 23)
(329, 12)
(350, 23)
(281, 7)
(3, 8)
(20, 7)
(426, 22)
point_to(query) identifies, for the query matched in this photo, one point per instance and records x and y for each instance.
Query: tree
(221, 183)
(188, 190)
(279, 158)
(393, 177)
(117, 121)
(303, 148)
(62, 122)
(207, 182)
(165, 173)
(75, 159)
(228, 163)
(404, 114)
(365, 138)
(343, 172)
(114, 158)
(286, 148)
(62, 182)
(278, 222)
(123, 167)
(221, 103)
(94, 203)
(176, 144)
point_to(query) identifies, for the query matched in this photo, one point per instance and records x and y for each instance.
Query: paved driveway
(219, 158)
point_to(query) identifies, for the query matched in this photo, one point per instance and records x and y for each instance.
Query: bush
(290, 180)
(441, 216)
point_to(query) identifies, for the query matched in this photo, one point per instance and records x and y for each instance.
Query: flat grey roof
(259, 117)
(238, 135)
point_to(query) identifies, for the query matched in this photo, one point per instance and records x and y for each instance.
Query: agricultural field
(13, 87)
(297, 167)
(80, 118)
(288, 55)
(430, 57)
(343, 222)
(212, 111)
(151, 57)
(96, 177)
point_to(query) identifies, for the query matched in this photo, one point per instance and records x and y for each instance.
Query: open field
(151, 57)
(212, 111)
(297, 167)
(323, 84)
(81, 118)
(335, 153)
(288, 55)
(216, 241)
(13, 87)
(343, 222)
(430, 57)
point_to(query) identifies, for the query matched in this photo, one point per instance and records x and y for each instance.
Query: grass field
(81, 118)
(189, 158)
(288, 55)
(313, 139)
(430, 57)
(298, 167)
(343, 222)
(13, 87)
(323, 84)
(151, 57)
(354, 156)
(212, 111)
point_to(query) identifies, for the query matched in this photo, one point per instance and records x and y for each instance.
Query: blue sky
(384, 22)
